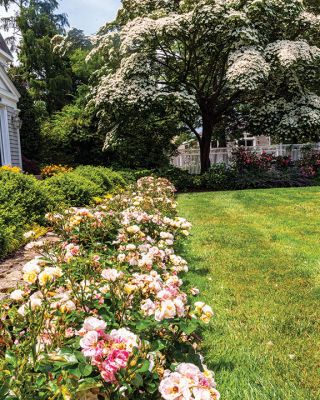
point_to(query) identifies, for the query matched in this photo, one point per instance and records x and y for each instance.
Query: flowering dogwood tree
(207, 58)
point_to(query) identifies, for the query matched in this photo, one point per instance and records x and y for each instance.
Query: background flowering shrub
(245, 159)
(310, 163)
(51, 170)
(105, 311)
(10, 168)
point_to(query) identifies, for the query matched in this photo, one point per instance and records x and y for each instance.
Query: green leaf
(85, 369)
(145, 324)
(3, 390)
(80, 357)
(152, 387)
(189, 327)
(76, 372)
(88, 383)
(41, 380)
(137, 381)
(11, 358)
(157, 345)
(144, 367)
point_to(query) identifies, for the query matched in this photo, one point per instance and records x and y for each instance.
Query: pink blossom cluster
(188, 383)
(76, 216)
(152, 185)
(147, 240)
(164, 299)
(109, 352)
(71, 250)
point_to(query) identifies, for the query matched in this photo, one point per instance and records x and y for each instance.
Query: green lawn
(255, 256)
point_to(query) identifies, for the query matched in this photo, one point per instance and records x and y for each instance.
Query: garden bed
(104, 313)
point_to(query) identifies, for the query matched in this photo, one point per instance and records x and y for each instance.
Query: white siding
(14, 139)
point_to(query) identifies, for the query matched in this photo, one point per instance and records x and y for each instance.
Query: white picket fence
(189, 159)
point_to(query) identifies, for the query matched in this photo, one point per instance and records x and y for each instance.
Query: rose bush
(310, 163)
(104, 312)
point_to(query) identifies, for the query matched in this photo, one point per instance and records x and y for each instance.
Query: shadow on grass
(222, 365)
(193, 260)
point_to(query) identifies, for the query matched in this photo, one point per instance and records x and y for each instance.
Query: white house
(10, 149)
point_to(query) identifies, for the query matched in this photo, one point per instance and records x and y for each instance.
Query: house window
(245, 142)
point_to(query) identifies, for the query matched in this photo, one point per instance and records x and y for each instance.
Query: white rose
(17, 295)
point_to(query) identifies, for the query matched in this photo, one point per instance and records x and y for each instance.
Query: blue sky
(89, 15)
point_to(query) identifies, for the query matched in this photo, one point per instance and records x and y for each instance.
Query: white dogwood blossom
(290, 119)
(289, 52)
(247, 69)
(310, 19)
(203, 59)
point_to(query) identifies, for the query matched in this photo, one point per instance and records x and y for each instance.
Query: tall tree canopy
(204, 59)
(48, 75)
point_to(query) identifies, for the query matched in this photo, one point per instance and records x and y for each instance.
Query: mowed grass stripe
(255, 256)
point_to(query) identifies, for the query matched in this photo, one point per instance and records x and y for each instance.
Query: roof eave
(7, 56)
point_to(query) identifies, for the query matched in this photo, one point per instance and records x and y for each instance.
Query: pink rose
(175, 387)
(111, 274)
(94, 324)
(190, 371)
(89, 343)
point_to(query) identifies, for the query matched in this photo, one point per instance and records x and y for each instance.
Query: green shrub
(271, 179)
(105, 178)
(219, 177)
(182, 180)
(23, 201)
(72, 189)
(132, 175)
(116, 179)
(229, 177)
(94, 174)
(10, 238)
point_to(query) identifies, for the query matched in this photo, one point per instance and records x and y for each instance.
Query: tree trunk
(205, 145)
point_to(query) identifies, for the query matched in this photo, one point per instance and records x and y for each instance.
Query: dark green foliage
(219, 177)
(182, 180)
(140, 140)
(228, 177)
(270, 179)
(49, 75)
(69, 137)
(313, 5)
(72, 189)
(132, 175)
(30, 129)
